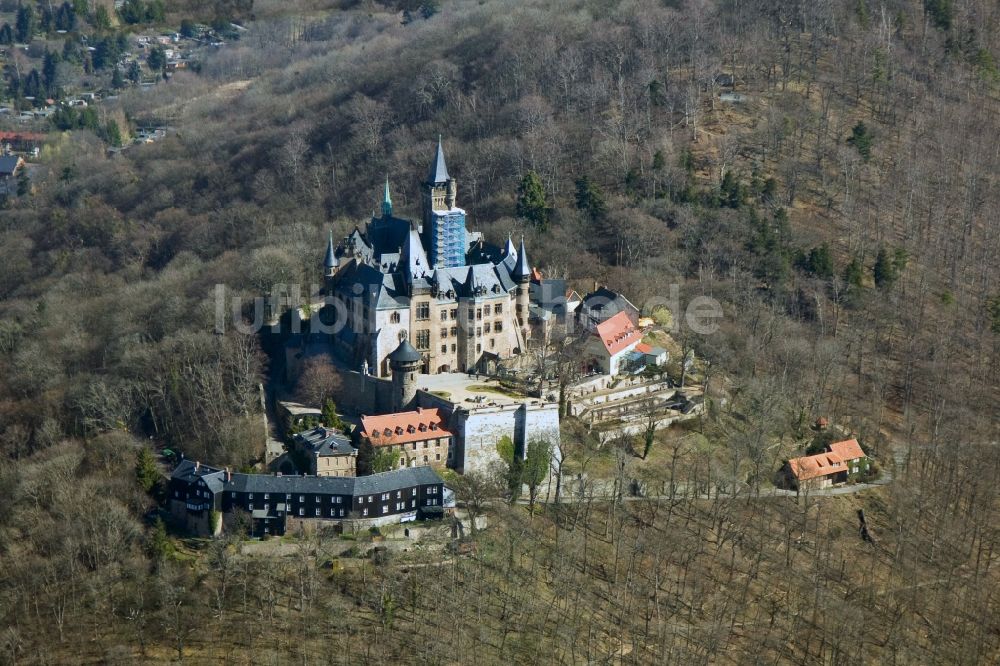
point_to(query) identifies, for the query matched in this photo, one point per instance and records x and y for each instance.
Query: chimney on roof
(595, 285)
(197, 465)
(229, 475)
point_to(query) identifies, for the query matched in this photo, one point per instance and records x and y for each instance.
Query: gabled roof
(190, 471)
(617, 333)
(403, 427)
(408, 477)
(9, 164)
(849, 449)
(412, 258)
(438, 172)
(325, 442)
(821, 464)
(606, 302)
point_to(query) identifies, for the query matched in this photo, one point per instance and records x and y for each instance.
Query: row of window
(424, 313)
(334, 499)
(479, 346)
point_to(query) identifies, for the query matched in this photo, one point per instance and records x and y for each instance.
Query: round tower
(522, 275)
(405, 363)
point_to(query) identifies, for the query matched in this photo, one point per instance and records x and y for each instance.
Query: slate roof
(190, 471)
(438, 172)
(522, 269)
(607, 303)
(331, 257)
(403, 427)
(407, 477)
(8, 164)
(325, 442)
(404, 353)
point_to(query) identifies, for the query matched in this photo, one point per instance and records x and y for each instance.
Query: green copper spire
(386, 200)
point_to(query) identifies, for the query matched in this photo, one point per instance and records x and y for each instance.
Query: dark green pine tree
(24, 24)
(50, 64)
(590, 198)
(854, 274)
(134, 72)
(884, 271)
(117, 80)
(531, 204)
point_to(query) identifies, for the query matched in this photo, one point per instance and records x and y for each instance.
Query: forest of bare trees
(829, 171)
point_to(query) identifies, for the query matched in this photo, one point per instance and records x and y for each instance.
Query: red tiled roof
(617, 333)
(21, 136)
(403, 427)
(821, 464)
(849, 449)
(643, 347)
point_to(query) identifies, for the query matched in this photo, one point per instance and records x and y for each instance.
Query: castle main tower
(444, 234)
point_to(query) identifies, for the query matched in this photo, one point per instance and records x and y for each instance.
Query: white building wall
(478, 431)
(387, 338)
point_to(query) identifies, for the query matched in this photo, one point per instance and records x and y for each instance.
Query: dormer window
(375, 434)
(410, 429)
(387, 432)
(399, 430)
(423, 427)
(434, 426)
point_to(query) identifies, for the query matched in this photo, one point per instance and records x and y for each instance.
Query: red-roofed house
(420, 435)
(819, 471)
(853, 456)
(612, 341)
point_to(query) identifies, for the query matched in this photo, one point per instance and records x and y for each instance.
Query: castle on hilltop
(462, 303)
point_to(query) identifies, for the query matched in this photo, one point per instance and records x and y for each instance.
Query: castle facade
(461, 303)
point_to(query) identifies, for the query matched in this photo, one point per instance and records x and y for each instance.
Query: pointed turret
(386, 200)
(439, 171)
(472, 285)
(522, 274)
(522, 269)
(412, 258)
(330, 260)
(509, 248)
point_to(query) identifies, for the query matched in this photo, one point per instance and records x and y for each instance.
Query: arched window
(394, 318)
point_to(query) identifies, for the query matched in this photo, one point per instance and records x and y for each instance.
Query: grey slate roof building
(272, 499)
(446, 290)
(602, 304)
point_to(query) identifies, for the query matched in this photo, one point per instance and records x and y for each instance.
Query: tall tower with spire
(522, 274)
(330, 261)
(444, 233)
(386, 200)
